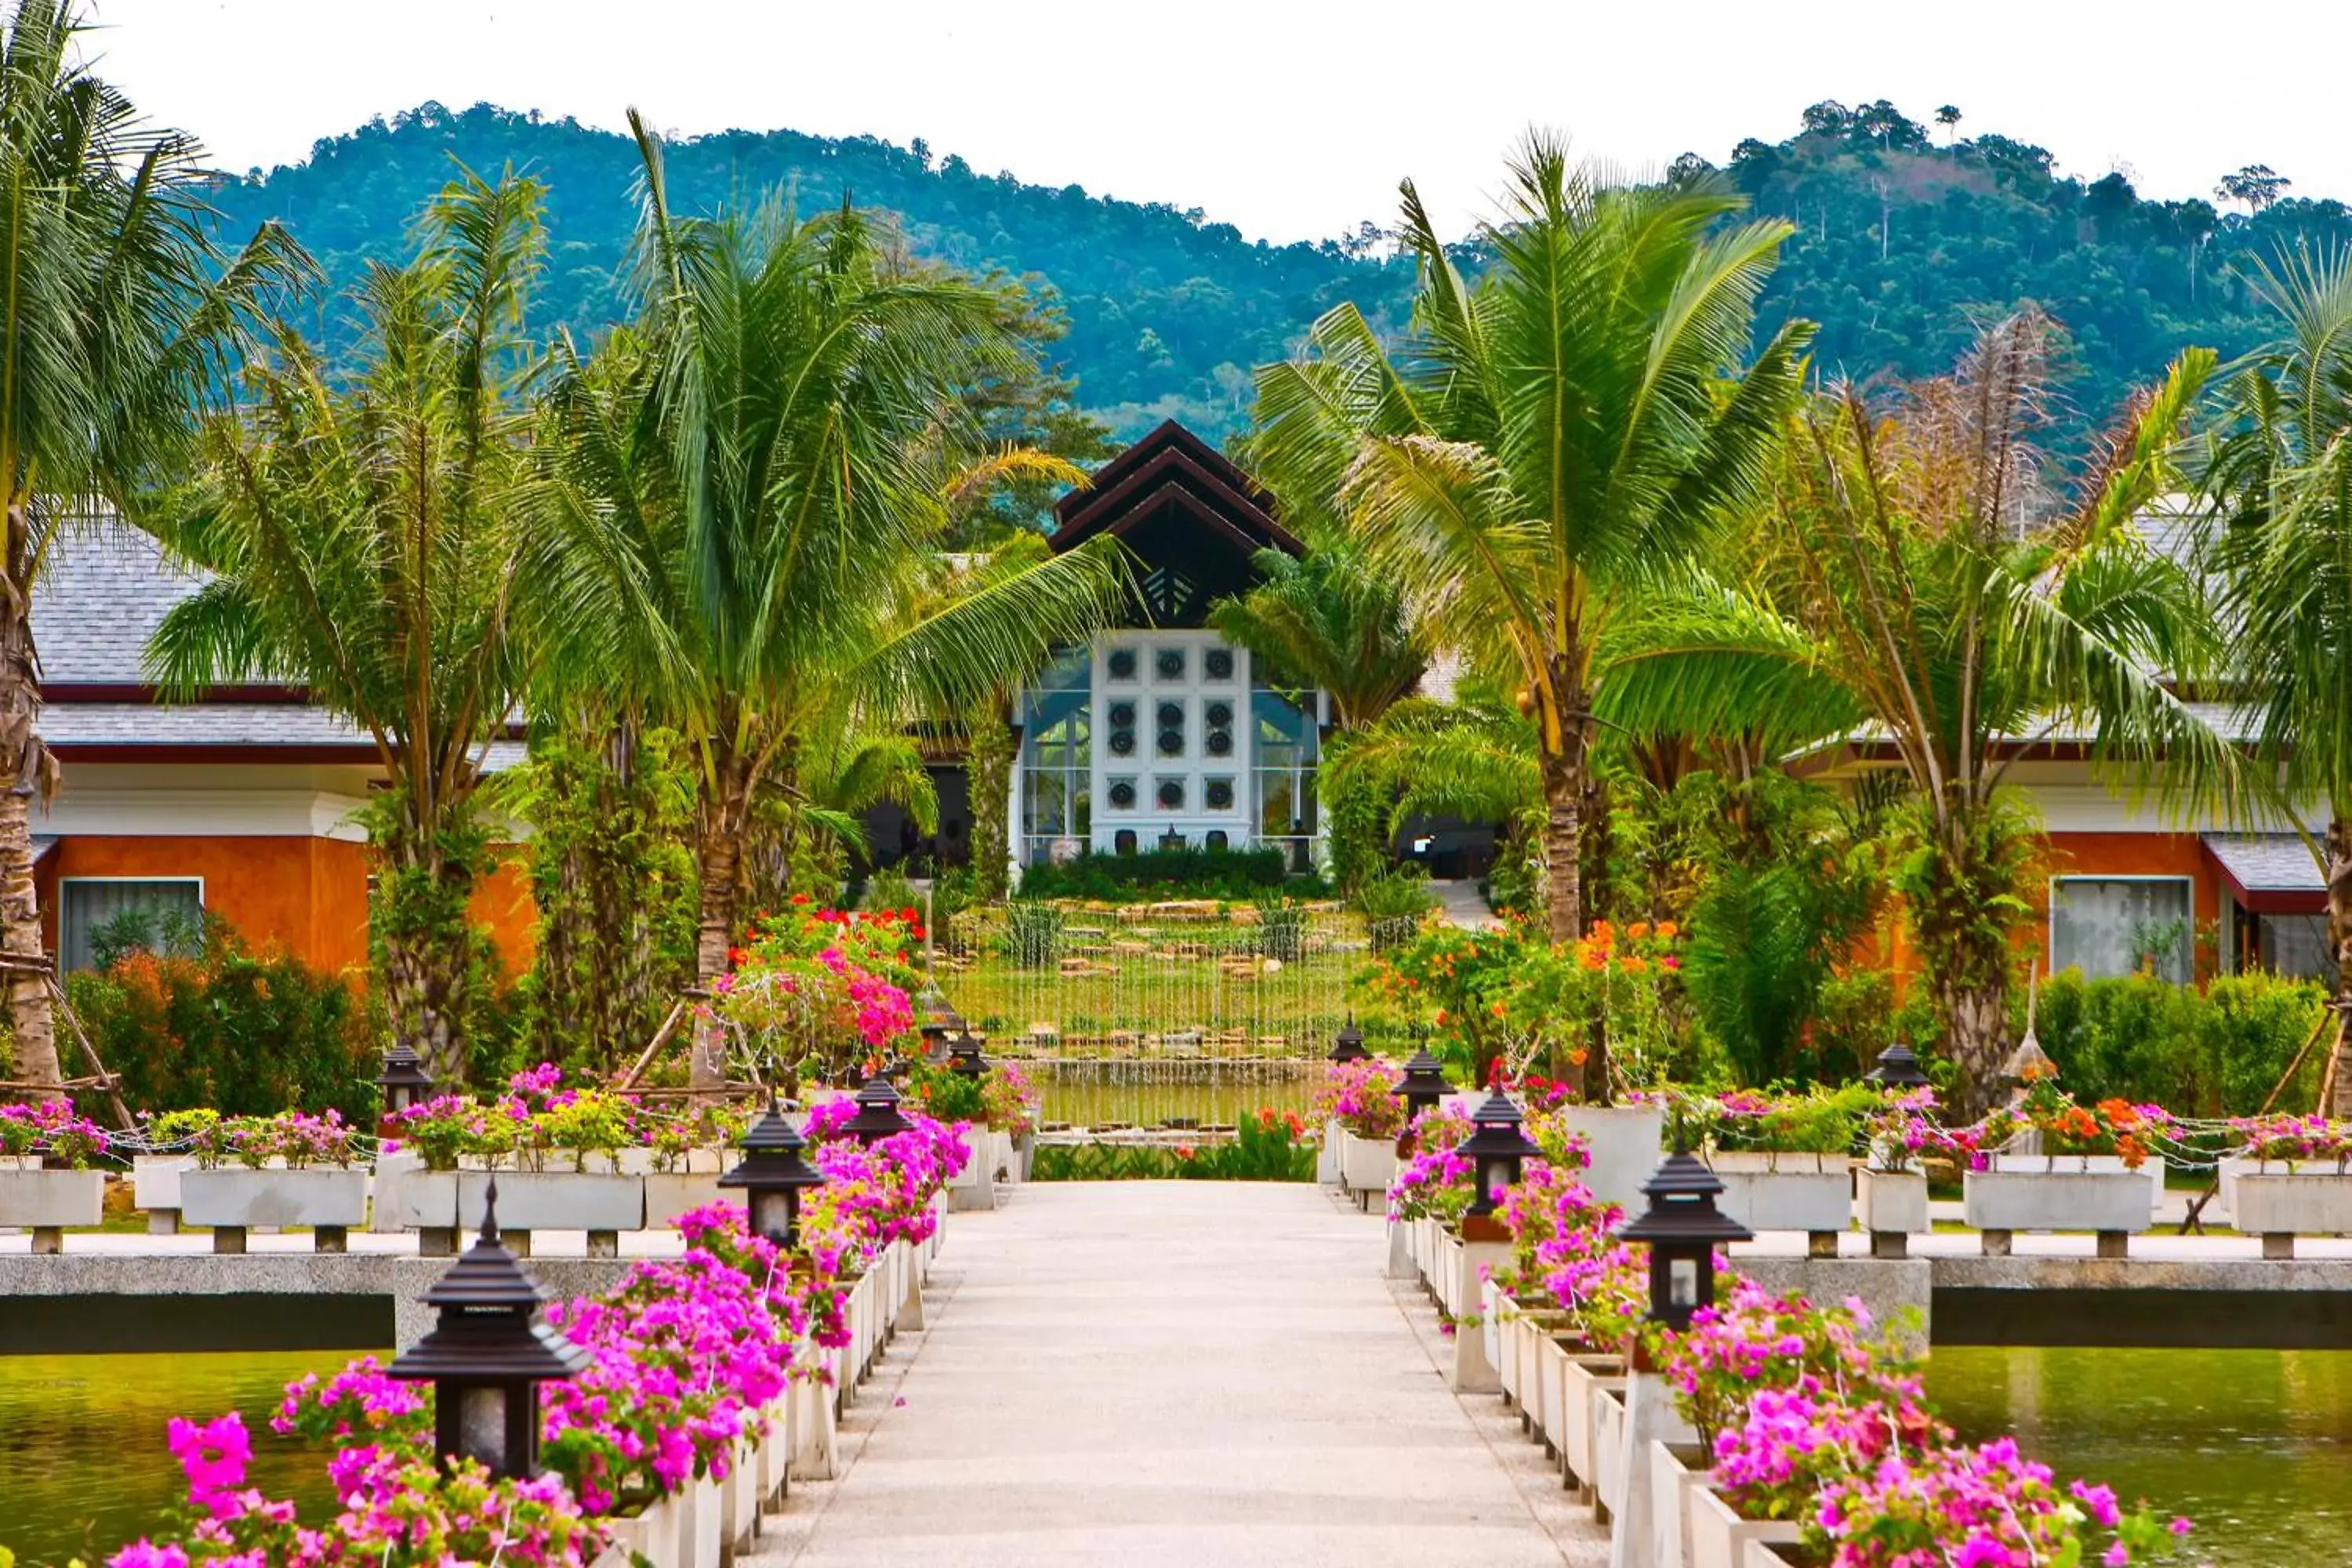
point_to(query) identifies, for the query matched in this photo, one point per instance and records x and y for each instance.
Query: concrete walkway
(1463, 904)
(1187, 1374)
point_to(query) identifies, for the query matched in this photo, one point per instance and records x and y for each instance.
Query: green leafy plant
(1281, 929)
(1032, 934)
(1161, 874)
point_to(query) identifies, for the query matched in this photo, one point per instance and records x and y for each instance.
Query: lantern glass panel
(482, 1425)
(1681, 1283)
(771, 1212)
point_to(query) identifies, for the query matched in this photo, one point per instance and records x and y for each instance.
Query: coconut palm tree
(2281, 477)
(745, 490)
(117, 326)
(1551, 442)
(361, 532)
(1916, 578)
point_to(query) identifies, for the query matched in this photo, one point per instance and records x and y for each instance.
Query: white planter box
(1892, 1201)
(155, 1179)
(651, 1534)
(668, 1195)
(1586, 1382)
(1490, 1326)
(2271, 1201)
(1327, 1158)
(1786, 1192)
(528, 1200)
(315, 1195)
(1625, 1143)
(2059, 1200)
(1719, 1538)
(700, 1521)
(1608, 1450)
(1672, 1484)
(1368, 1164)
(33, 1198)
(1448, 1259)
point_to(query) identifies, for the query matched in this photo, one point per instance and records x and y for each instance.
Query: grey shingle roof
(106, 590)
(2266, 862)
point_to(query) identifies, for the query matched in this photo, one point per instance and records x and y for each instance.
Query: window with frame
(101, 918)
(1056, 755)
(2113, 926)
(2296, 945)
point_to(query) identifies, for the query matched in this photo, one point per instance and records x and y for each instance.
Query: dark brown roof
(1173, 467)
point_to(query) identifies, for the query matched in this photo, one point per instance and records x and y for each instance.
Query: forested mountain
(1905, 235)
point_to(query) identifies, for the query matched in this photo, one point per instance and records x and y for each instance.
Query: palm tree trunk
(428, 948)
(2339, 943)
(1565, 763)
(1968, 956)
(724, 822)
(25, 770)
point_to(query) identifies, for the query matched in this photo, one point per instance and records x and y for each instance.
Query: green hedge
(222, 1026)
(1233, 874)
(2218, 1052)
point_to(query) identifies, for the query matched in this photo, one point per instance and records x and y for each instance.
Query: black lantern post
(877, 1112)
(941, 1024)
(1898, 1068)
(1683, 1227)
(1423, 1086)
(774, 1175)
(1496, 1150)
(1348, 1044)
(963, 1055)
(404, 1080)
(487, 1356)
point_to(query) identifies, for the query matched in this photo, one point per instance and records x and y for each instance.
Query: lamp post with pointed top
(1683, 1229)
(963, 1054)
(878, 1116)
(1348, 1044)
(1898, 1068)
(403, 1083)
(1422, 1087)
(487, 1356)
(774, 1175)
(1497, 1149)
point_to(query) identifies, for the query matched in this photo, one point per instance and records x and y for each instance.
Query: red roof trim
(2267, 900)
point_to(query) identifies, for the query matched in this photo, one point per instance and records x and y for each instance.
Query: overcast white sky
(1292, 118)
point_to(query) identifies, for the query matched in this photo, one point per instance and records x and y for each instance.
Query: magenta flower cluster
(1360, 1096)
(50, 1128)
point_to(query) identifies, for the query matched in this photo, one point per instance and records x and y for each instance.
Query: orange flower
(1638, 930)
(1498, 1009)
(1631, 964)
(1576, 1058)
(1603, 932)
(1441, 1014)
(1669, 930)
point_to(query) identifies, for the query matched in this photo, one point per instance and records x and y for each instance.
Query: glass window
(99, 918)
(2108, 926)
(1056, 756)
(1282, 772)
(2295, 945)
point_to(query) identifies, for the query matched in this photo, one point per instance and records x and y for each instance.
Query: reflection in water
(2255, 1445)
(83, 1465)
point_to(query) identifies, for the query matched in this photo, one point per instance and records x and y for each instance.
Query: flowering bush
(1791, 1441)
(1008, 1099)
(1819, 1121)
(51, 1130)
(1360, 1096)
(253, 1141)
(1433, 1181)
(2295, 1139)
(1981, 1507)
(2110, 1127)
(1755, 1340)
(827, 987)
(1901, 1131)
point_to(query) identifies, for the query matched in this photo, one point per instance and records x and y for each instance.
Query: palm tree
(2282, 479)
(1551, 443)
(1914, 579)
(119, 321)
(361, 533)
(745, 492)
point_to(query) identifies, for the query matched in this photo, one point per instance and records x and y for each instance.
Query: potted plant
(1890, 1190)
(1010, 1104)
(526, 1137)
(685, 1153)
(1784, 1160)
(2290, 1176)
(292, 1169)
(45, 1180)
(2088, 1177)
(1356, 1100)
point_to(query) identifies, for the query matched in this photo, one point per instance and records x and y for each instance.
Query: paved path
(1463, 904)
(1192, 1374)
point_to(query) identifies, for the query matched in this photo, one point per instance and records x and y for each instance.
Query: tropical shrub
(1818, 1121)
(1009, 1098)
(1281, 928)
(2216, 1052)
(49, 1128)
(226, 1027)
(1033, 934)
(1156, 874)
(1270, 1146)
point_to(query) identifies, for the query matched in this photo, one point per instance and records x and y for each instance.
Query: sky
(1289, 119)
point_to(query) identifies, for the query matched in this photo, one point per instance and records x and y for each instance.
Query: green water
(83, 1464)
(2255, 1445)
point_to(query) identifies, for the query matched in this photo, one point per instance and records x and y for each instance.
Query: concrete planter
(2112, 1203)
(1624, 1142)
(700, 1535)
(1588, 1383)
(650, 1534)
(1366, 1164)
(1811, 1193)
(668, 1193)
(46, 1202)
(1719, 1538)
(1673, 1485)
(528, 1200)
(1608, 1456)
(328, 1199)
(155, 1189)
(1892, 1201)
(1446, 1257)
(2277, 1204)
(1327, 1158)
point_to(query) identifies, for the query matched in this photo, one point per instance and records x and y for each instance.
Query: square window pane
(104, 918)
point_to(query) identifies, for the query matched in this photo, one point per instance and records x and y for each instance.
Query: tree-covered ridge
(1167, 312)
(1908, 236)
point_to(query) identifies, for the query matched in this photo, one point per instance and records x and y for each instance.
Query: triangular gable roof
(1172, 465)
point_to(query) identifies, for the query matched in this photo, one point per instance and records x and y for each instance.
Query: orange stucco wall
(306, 896)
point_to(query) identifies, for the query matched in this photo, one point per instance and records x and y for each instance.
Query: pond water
(83, 1464)
(2255, 1445)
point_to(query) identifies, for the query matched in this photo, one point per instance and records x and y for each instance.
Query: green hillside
(1903, 234)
